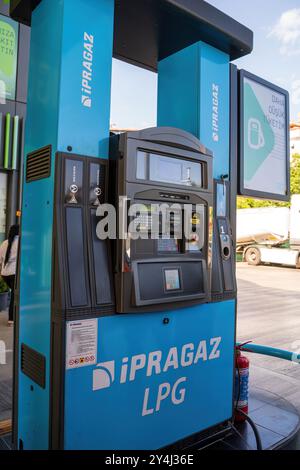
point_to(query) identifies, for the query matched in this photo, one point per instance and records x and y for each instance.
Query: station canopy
(147, 31)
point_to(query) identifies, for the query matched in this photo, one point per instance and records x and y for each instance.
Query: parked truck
(270, 234)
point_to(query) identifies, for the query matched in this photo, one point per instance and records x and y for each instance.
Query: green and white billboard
(264, 131)
(9, 39)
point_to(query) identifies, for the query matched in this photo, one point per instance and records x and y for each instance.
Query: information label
(81, 349)
(264, 139)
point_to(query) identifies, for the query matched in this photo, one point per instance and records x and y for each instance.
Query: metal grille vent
(33, 364)
(38, 165)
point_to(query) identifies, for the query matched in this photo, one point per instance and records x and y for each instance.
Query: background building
(14, 63)
(295, 137)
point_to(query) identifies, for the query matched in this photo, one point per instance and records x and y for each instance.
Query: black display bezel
(171, 296)
(135, 145)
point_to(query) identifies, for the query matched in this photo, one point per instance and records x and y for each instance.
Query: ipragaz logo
(87, 70)
(215, 112)
(156, 363)
(104, 375)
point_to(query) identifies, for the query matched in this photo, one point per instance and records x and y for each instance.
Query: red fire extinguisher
(242, 364)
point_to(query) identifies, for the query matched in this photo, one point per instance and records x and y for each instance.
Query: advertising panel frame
(242, 190)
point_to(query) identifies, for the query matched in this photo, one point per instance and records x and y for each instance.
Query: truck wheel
(252, 256)
(298, 263)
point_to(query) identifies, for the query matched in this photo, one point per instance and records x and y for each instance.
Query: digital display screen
(167, 245)
(167, 169)
(172, 280)
(143, 222)
(162, 223)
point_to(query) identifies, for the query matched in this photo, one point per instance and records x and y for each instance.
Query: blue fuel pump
(117, 347)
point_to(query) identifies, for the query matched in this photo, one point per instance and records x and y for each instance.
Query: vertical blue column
(70, 76)
(194, 94)
(69, 109)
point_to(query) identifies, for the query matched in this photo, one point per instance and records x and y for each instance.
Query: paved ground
(268, 313)
(6, 337)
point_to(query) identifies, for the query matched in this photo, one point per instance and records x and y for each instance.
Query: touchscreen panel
(172, 280)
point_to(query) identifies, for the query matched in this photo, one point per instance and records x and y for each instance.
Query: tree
(295, 174)
(248, 203)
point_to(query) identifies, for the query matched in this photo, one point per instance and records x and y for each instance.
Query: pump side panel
(214, 129)
(193, 94)
(178, 91)
(57, 117)
(86, 77)
(112, 418)
(37, 214)
(208, 109)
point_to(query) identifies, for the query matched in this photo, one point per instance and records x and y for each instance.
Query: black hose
(255, 430)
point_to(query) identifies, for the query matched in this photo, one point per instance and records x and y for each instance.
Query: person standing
(8, 264)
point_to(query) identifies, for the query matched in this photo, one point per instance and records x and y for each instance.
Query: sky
(275, 57)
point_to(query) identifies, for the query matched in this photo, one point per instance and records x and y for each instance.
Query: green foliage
(295, 174)
(248, 203)
(3, 286)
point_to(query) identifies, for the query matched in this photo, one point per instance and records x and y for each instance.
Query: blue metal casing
(112, 418)
(193, 94)
(64, 112)
(56, 116)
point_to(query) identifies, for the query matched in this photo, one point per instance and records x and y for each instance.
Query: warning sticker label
(81, 347)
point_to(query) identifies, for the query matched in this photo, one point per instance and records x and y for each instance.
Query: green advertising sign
(264, 151)
(9, 38)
